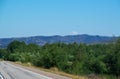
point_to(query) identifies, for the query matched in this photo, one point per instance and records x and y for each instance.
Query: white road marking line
(30, 72)
(1, 77)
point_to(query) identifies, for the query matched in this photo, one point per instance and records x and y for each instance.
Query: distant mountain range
(41, 40)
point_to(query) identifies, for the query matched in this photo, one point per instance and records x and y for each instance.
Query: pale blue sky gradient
(21, 18)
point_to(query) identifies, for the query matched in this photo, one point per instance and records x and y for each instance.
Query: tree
(3, 54)
(16, 46)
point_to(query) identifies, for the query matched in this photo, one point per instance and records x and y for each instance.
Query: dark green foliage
(3, 54)
(71, 58)
(16, 46)
(113, 59)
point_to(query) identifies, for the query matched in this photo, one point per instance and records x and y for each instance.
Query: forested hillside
(78, 59)
(42, 40)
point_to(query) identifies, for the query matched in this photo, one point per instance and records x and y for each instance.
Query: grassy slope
(56, 71)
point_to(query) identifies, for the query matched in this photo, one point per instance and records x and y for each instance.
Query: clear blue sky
(19, 18)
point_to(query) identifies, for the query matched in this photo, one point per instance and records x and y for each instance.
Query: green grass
(111, 77)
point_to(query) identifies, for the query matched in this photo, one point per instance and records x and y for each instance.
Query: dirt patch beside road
(37, 70)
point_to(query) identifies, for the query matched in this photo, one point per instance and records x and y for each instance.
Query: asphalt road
(9, 71)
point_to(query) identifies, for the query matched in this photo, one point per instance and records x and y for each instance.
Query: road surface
(9, 71)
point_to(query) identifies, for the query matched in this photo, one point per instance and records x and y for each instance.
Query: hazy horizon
(26, 18)
(58, 35)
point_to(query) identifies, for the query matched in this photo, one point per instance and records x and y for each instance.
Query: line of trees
(71, 58)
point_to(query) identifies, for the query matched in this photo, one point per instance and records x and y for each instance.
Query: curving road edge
(9, 71)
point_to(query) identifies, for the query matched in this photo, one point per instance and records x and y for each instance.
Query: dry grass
(52, 70)
(56, 71)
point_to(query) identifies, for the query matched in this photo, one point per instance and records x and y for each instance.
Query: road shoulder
(37, 70)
